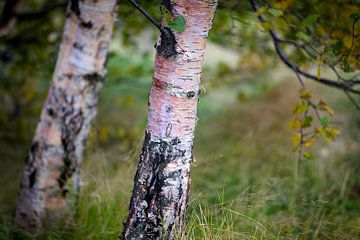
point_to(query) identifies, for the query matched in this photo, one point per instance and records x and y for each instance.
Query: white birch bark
(160, 196)
(58, 145)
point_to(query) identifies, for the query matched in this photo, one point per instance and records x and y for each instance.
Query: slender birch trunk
(59, 142)
(160, 196)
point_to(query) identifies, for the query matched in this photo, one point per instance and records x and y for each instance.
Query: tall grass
(243, 182)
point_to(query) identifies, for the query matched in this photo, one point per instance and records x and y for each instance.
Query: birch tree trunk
(58, 145)
(160, 196)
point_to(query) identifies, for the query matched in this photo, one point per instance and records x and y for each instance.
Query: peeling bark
(160, 196)
(59, 142)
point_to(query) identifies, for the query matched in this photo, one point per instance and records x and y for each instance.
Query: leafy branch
(348, 86)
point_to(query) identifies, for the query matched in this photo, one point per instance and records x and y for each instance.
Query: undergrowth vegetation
(246, 183)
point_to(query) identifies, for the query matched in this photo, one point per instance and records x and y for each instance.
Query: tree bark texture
(160, 196)
(58, 145)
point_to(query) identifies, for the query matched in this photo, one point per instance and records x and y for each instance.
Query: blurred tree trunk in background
(160, 196)
(59, 142)
(8, 16)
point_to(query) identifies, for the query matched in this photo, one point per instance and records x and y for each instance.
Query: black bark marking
(69, 134)
(167, 45)
(190, 94)
(93, 78)
(74, 7)
(51, 112)
(69, 75)
(168, 129)
(168, 109)
(148, 199)
(32, 178)
(77, 45)
(34, 147)
(89, 24)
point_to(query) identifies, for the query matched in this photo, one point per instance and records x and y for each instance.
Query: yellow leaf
(308, 155)
(323, 106)
(329, 134)
(348, 41)
(305, 94)
(282, 4)
(310, 142)
(300, 108)
(261, 11)
(321, 30)
(318, 73)
(294, 124)
(266, 25)
(296, 139)
(319, 59)
(335, 131)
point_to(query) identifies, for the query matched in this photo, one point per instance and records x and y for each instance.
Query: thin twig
(146, 14)
(353, 36)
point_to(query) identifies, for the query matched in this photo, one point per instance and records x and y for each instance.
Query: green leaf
(310, 20)
(307, 122)
(275, 12)
(267, 25)
(167, 14)
(167, 18)
(261, 11)
(178, 24)
(300, 108)
(324, 121)
(303, 36)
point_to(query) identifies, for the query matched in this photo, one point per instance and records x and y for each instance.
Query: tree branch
(346, 86)
(146, 14)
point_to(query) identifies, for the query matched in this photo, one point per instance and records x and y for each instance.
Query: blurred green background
(245, 183)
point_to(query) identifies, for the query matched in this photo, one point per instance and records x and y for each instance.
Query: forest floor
(245, 183)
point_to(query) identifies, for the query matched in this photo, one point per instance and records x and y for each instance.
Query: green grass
(244, 181)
